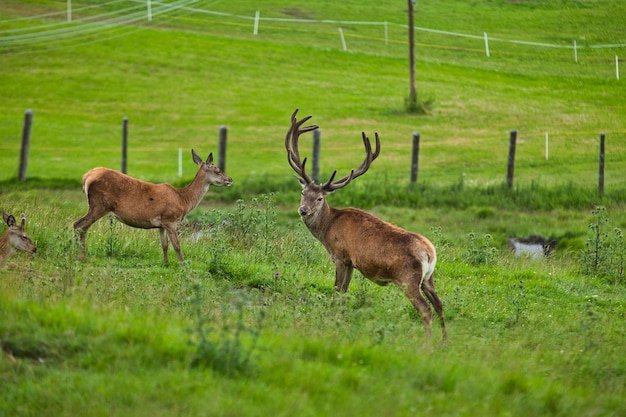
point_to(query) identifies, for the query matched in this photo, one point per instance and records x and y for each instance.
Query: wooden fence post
(316, 154)
(28, 123)
(221, 157)
(511, 162)
(601, 167)
(415, 156)
(124, 144)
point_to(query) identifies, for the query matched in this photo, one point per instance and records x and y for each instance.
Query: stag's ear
(196, 159)
(302, 182)
(209, 159)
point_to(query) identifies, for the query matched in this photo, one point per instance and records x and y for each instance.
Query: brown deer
(145, 205)
(382, 252)
(14, 238)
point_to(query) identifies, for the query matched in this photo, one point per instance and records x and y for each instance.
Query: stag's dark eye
(319, 198)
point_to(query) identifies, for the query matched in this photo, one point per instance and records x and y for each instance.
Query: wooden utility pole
(413, 92)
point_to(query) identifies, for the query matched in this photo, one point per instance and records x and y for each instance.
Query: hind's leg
(163, 236)
(173, 235)
(83, 224)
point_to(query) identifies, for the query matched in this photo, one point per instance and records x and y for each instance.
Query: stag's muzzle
(303, 211)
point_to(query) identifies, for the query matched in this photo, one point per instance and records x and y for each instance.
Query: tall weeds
(223, 341)
(605, 252)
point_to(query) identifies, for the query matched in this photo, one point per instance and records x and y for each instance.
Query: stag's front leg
(163, 237)
(343, 275)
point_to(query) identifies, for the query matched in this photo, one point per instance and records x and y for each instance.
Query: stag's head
(314, 195)
(212, 174)
(18, 239)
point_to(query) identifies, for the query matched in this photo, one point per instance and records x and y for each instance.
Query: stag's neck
(192, 194)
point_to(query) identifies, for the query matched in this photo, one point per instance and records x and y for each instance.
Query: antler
(331, 185)
(293, 153)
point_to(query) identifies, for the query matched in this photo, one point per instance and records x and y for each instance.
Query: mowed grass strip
(177, 87)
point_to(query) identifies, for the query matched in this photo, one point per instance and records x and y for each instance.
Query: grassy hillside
(250, 324)
(188, 73)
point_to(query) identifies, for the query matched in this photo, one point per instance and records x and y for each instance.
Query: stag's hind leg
(412, 290)
(428, 286)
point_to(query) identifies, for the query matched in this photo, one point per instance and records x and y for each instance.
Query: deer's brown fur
(14, 238)
(382, 252)
(146, 205)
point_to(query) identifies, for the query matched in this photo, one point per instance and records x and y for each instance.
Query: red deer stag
(145, 205)
(354, 238)
(14, 238)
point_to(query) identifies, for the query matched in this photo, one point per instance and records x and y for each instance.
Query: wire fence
(74, 27)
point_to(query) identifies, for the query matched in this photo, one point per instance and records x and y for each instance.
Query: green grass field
(250, 325)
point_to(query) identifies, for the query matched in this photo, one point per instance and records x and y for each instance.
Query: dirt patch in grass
(297, 13)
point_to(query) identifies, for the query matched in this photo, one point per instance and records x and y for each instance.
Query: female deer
(145, 205)
(14, 238)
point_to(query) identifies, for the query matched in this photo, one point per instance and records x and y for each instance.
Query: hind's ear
(209, 159)
(8, 219)
(196, 159)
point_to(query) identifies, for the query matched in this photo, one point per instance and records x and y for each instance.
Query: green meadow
(250, 324)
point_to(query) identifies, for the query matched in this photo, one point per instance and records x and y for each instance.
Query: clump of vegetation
(518, 299)
(605, 253)
(481, 250)
(415, 105)
(112, 240)
(252, 223)
(222, 342)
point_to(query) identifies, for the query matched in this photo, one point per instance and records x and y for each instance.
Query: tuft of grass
(480, 250)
